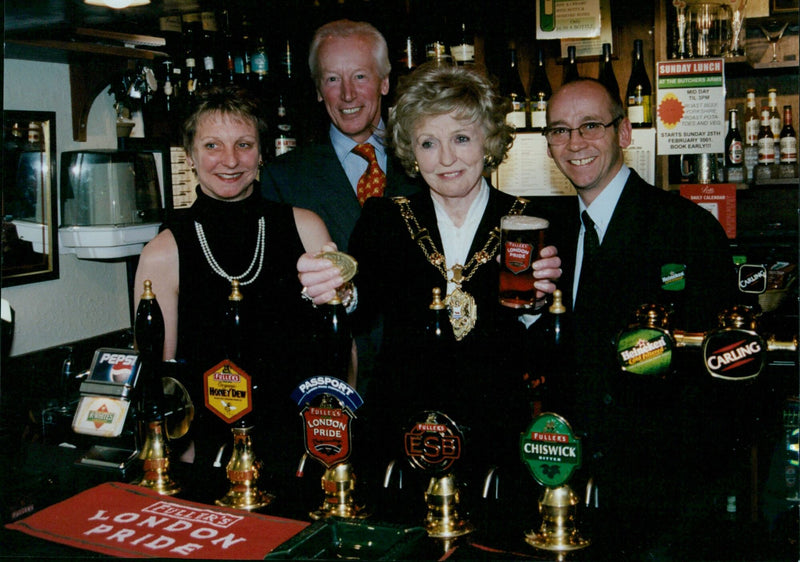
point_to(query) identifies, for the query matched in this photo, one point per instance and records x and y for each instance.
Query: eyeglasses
(588, 131)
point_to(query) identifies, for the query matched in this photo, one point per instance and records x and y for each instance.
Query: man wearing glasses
(628, 243)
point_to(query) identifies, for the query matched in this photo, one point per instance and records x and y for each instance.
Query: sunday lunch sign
(691, 106)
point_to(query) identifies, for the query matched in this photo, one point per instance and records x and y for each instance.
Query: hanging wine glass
(773, 30)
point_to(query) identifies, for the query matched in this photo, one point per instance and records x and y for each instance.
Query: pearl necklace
(257, 257)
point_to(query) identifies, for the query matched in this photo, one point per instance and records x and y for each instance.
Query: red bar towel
(134, 522)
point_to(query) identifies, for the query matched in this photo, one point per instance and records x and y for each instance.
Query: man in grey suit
(350, 67)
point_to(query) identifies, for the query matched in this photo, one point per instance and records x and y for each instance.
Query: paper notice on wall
(691, 106)
(558, 19)
(529, 171)
(593, 46)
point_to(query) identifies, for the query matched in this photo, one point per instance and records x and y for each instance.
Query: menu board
(529, 171)
(691, 106)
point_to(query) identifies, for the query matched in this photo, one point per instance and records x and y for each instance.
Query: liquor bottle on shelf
(462, 47)
(436, 52)
(788, 161)
(241, 59)
(259, 66)
(606, 74)
(539, 92)
(408, 56)
(284, 138)
(734, 150)
(766, 148)
(752, 123)
(571, 67)
(639, 91)
(208, 76)
(752, 120)
(228, 51)
(775, 121)
(190, 70)
(167, 88)
(511, 87)
(287, 79)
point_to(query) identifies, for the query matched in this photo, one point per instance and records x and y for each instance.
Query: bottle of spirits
(639, 90)
(229, 48)
(241, 60)
(775, 121)
(259, 66)
(571, 68)
(511, 87)
(462, 48)
(606, 74)
(436, 52)
(766, 148)
(752, 120)
(284, 138)
(540, 92)
(788, 161)
(734, 150)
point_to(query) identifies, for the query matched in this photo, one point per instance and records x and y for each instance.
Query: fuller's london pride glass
(522, 240)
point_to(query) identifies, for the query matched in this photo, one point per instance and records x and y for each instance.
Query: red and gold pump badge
(228, 391)
(327, 434)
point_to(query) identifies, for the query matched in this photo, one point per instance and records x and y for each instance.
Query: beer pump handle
(67, 373)
(782, 345)
(688, 339)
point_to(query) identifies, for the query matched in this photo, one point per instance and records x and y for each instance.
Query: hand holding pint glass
(522, 240)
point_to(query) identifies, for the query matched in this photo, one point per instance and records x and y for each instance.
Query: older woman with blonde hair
(448, 125)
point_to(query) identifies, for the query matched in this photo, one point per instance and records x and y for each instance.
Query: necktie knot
(587, 220)
(366, 151)
(373, 181)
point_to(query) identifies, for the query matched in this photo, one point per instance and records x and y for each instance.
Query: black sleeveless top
(278, 323)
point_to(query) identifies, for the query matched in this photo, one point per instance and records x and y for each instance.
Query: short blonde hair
(433, 90)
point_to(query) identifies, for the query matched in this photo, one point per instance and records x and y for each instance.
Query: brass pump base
(443, 520)
(243, 472)
(558, 532)
(155, 457)
(338, 483)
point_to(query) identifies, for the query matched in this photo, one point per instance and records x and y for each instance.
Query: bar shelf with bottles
(756, 77)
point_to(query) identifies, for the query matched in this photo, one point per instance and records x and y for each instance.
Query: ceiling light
(117, 4)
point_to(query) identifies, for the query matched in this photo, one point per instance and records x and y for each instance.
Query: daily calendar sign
(691, 106)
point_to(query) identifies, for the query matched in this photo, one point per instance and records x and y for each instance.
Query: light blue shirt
(353, 164)
(600, 211)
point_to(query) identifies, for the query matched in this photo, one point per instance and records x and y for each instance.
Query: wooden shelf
(93, 57)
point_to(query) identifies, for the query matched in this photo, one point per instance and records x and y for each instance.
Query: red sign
(327, 434)
(129, 521)
(719, 199)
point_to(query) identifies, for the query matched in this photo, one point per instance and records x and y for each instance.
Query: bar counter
(37, 472)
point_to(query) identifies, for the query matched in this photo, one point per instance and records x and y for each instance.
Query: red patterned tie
(373, 181)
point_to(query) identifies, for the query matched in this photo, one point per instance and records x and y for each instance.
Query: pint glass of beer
(522, 240)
